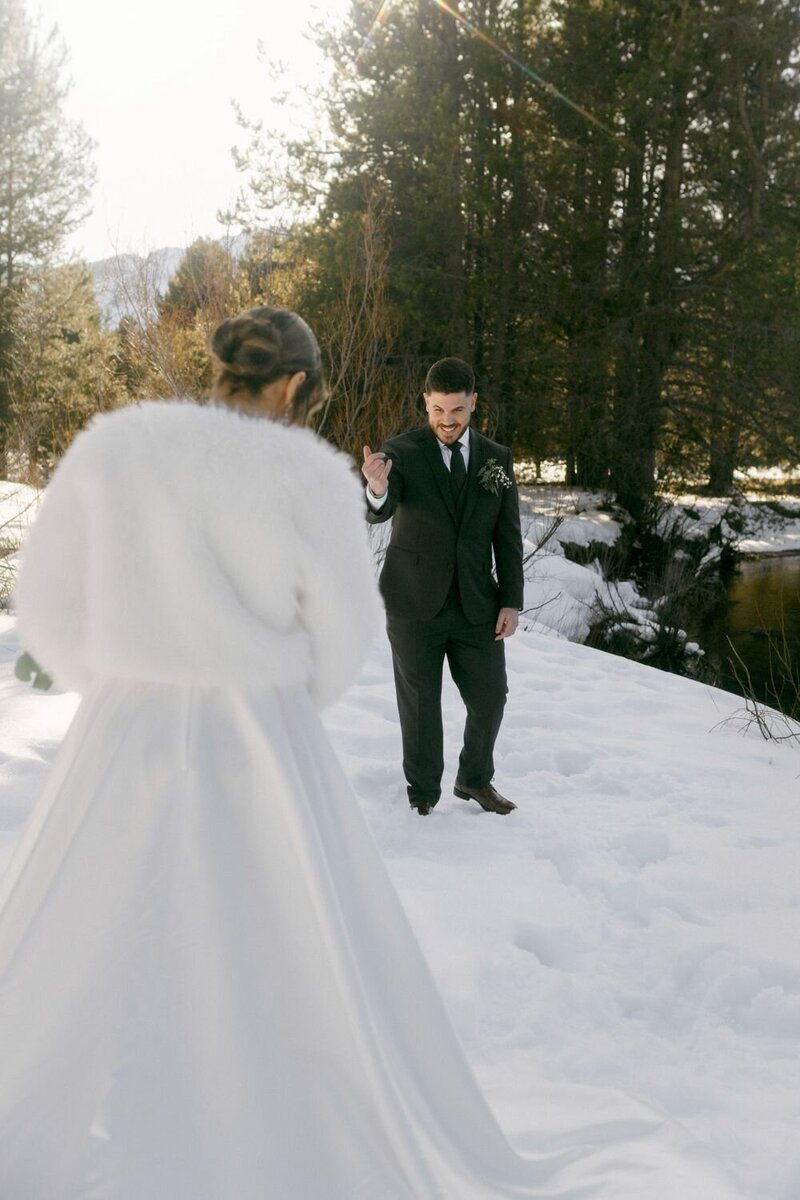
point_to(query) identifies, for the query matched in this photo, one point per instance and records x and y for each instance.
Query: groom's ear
(474, 399)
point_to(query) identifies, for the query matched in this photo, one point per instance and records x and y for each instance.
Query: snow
(771, 524)
(563, 598)
(18, 506)
(621, 956)
(788, 543)
(630, 940)
(32, 726)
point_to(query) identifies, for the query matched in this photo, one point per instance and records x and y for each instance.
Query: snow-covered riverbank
(564, 596)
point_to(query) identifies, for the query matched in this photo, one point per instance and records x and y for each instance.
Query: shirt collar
(462, 441)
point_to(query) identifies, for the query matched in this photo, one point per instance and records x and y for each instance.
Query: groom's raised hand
(375, 469)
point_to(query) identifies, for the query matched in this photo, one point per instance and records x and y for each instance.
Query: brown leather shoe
(422, 809)
(488, 797)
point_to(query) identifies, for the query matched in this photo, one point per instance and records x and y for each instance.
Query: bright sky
(152, 85)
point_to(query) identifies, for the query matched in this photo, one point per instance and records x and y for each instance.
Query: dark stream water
(761, 624)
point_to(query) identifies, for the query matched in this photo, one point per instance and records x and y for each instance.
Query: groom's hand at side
(507, 621)
(375, 469)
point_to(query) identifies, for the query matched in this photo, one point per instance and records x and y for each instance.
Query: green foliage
(440, 121)
(46, 158)
(163, 346)
(60, 366)
(274, 267)
(46, 170)
(205, 283)
(703, 99)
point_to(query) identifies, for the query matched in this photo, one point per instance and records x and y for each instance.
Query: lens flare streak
(473, 29)
(505, 53)
(380, 17)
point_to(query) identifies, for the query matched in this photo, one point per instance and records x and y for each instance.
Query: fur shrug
(190, 545)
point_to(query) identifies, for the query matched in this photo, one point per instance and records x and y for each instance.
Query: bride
(208, 989)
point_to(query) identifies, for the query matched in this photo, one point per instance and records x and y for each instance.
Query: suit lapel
(433, 454)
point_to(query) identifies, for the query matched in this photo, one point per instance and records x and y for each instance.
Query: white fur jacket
(193, 545)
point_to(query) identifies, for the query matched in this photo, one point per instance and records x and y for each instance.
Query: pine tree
(207, 287)
(678, 228)
(61, 368)
(45, 169)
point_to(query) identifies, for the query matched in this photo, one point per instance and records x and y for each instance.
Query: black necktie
(458, 472)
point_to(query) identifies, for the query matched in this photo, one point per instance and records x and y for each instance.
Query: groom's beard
(449, 432)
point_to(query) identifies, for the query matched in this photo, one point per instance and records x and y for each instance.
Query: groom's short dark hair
(450, 375)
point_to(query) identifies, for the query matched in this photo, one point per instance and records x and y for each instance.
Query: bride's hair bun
(265, 344)
(249, 349)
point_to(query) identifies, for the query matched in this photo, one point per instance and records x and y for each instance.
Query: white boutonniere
(492, 477)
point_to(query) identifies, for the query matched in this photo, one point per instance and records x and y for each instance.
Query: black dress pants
(478, 667)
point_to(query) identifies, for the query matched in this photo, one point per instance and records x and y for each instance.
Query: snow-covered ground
(621, 956)
(771, 523)
(18, 506)
(625, 948)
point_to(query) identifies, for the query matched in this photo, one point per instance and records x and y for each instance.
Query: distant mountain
(129, 284)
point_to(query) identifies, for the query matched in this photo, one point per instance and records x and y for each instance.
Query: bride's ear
(276, 398)
(293, 382)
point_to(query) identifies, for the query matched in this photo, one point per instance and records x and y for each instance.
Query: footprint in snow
(573, 761)
(553, 945)
(642, 847)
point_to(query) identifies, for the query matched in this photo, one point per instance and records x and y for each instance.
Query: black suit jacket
(431, 540)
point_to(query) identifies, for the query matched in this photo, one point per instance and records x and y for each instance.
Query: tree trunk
(721, 466)
(6, 340)
(452, 229)
(631, 476)
(587, 380)
(651, 323)
(660, 335)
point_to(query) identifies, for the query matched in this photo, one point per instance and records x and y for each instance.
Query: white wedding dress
(208, 987)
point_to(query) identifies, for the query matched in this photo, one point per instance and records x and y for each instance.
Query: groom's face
(449, 413)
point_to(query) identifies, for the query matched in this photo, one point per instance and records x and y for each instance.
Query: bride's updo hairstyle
(265, 344)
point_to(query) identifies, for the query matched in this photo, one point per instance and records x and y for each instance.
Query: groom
(452, 494)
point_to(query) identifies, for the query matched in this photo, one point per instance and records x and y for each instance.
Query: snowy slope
(621, 957)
